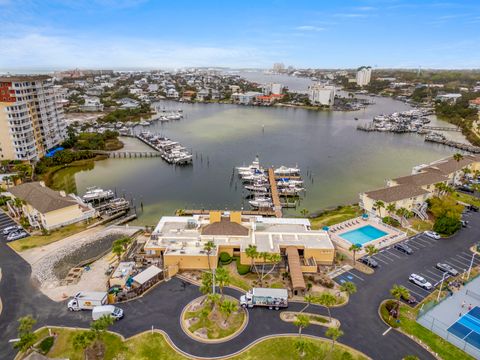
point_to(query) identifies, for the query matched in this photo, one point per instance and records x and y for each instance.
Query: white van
(109, 310)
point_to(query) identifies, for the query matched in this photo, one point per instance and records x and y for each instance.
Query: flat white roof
(147, 274)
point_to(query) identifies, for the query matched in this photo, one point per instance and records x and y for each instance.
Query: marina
(170, 151)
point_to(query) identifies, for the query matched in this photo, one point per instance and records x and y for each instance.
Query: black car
(410, 299)
(369, 261)
(403, 248)
(466, 188)
(473, 208)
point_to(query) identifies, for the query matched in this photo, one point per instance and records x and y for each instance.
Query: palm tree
(348, 287)
(222, 278)
(379, 204)
(391, 208)
(303, 346)
(117, 249)
(227, 307)
(399, 292)
(439, 187)
(457, 157)
(208, 247)
(308, 299)
(327, 300)
(252, 253)
(301, 321)
(304, 212)
(274, 259)
(334, 333)
(354, 248)
(214, 299)
(371, 249)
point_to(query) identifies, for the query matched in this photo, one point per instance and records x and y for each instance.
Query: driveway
(162, 306)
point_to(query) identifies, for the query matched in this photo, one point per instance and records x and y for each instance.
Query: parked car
(447, 268)
(464, 223)
(16, 235)
(420, 281)
(403, 248)
(466, 188)
(367, 260)
(11, 229)
(473, 208)
(432, 234)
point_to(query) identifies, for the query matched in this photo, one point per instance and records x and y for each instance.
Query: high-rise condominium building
(321, 94)
(364, 74)
(31, 120)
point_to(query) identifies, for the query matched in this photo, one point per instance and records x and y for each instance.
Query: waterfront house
(411, 192)
(450, 98)
(203, 95)
(91, 104)
(172, 93)
(247, 98)
(46, 208)
(188, 95)
(180, 241)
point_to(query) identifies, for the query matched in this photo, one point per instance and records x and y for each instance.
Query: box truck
(273, 298)
(87, 300)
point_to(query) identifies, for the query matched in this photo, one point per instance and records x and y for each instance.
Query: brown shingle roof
(395, 193)
(296, 275)
(225, 227)
(426, 178)
(451, 165)
(42, 198)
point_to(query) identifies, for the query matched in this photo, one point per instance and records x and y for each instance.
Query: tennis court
(467, 327)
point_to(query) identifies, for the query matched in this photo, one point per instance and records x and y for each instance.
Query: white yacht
(283, 170)
(94, 193)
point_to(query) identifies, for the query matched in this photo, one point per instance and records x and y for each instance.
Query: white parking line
(427, 277)
(358, 277)
(468, 259)
(391, 252)
(462, 265)
(382, 261)
(425, 242)
(383, 256)
(455, 266)
(386, 331)
(418, 243)
(414, 247)
(434, 275)
(413, 291)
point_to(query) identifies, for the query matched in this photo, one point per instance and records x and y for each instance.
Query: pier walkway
(442, 128)
(277, 206)
(129, 154)
(190, 212)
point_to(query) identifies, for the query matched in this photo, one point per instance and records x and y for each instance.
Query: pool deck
(392, 235)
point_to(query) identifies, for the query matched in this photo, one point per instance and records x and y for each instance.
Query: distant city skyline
(134, 34)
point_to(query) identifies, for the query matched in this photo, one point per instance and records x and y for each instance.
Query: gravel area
(51, 263)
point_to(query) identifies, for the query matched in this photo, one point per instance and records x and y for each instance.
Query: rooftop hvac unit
(191, 224)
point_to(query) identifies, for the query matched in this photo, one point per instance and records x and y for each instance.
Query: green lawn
(408, 324)
(469, 199)
(153, 346)
(421, 225)
(332, 217)
(41, 240)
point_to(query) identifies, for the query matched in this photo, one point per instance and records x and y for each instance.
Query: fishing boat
(255, 165)
(256, 188)
(144, 123)
(260, 204)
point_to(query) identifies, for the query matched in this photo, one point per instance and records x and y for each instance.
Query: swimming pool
(363, 235)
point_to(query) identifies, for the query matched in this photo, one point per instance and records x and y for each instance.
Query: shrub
(446, 225)
(242, 269)
(390, 221)
(325, 281)
(46, 344)
(225, 258)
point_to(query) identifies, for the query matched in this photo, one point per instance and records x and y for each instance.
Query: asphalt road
(162, 306)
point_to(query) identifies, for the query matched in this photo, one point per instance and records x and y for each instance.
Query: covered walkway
(296, 274)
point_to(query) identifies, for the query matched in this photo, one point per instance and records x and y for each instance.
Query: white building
(247, 98)
(320, 94)
(92, 104)
(364, 74)
(269, 89)
(172, 93)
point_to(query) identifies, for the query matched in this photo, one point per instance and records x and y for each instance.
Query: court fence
(440, 328)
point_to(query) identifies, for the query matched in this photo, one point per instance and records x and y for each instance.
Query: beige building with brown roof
(180, 240)
(411, 192)
(47, 208)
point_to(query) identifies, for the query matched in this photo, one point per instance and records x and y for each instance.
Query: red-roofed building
(475, 103)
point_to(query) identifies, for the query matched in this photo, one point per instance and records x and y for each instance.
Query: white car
(420, 281)
(11, 229)
(16, 235)
(432, 234)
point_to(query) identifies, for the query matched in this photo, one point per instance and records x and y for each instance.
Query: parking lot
(426, 253)
(5, 221)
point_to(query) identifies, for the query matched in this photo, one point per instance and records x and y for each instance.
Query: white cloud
(309, 28)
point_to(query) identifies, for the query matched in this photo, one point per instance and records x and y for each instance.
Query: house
(203, 95)
(180, 241)
(47, 208)
(475, 103)
(172, 93)
(412, 191)
(189, 95)
(450, 98)
(247, 98)
(128, 103)
(91, 104)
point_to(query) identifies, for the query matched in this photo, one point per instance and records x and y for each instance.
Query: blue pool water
(363, 235)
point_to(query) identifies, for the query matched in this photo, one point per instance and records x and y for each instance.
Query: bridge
(129, 154)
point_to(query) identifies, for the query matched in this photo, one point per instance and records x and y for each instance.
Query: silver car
(16, 235)
(11, 229)
(447, 268)
(420, 281)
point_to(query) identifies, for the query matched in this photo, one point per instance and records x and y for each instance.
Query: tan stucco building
(180, 240)
(47, 208)
(411, 192)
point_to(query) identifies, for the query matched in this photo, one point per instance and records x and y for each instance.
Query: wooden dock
(277, 206)
(190, 212)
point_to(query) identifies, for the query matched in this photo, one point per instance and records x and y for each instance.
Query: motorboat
(260, 204)
(256, 188)
(283, 170)
(94, 193)
(255, 165)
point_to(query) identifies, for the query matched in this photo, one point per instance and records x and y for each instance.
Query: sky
(114, 34)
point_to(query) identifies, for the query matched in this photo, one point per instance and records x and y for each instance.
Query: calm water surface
(337, 161)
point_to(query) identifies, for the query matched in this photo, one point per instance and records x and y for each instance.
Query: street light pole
(213, 281)
(441, 285)
(471, 264)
